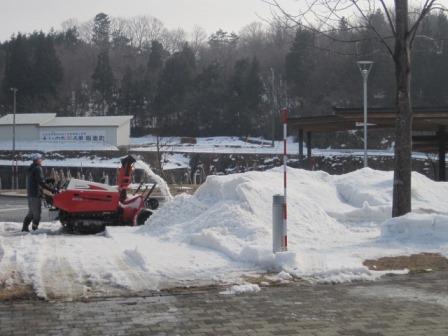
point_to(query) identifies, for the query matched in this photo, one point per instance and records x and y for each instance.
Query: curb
(12, 194)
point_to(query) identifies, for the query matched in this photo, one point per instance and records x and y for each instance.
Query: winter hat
(36, 156)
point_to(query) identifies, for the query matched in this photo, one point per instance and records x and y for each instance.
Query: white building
(46, 129)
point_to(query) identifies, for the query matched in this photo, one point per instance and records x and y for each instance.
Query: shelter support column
(300, 141)
(308, 145)
(441, 137)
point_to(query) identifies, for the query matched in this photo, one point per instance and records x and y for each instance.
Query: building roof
(27, 118)
(342, 119)
(87, 121)
(51, 120)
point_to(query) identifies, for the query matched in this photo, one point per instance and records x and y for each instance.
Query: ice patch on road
(400, 293)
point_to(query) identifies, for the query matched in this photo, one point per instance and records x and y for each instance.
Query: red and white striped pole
(285, 165)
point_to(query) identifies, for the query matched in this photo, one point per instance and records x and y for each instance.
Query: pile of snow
(329, 218)
(416, 228)
(242, 289)
(223, 232)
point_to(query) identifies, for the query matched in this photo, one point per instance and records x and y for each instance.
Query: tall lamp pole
(14, 162)
(365, 67)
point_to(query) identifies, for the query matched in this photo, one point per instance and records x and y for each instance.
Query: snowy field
(176, 154)
(222, 234)
(235, 145)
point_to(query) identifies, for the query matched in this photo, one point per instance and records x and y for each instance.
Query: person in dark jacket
(35, 182)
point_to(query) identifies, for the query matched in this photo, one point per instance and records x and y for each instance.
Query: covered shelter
(429, 127)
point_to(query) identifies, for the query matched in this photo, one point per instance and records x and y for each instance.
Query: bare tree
(324, 16)
(198, 38)
(85, 31)
(143, 30)
(69, 24)
(173, 40)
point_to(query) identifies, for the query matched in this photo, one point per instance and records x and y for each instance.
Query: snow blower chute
(87, 207)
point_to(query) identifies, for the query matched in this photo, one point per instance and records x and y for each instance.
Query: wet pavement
(414, 304)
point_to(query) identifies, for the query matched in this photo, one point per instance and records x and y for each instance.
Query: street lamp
(365, 67)
(14, 162)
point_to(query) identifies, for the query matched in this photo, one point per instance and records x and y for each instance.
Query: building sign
(73, 136)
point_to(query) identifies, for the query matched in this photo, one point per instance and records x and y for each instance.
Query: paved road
(402, 305)
(13, 209)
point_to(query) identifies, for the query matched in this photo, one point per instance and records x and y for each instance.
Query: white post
(278, 228)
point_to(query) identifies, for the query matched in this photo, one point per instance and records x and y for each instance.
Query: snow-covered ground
(236, 145)
(223, 233)
(171, 161)
(176, 154)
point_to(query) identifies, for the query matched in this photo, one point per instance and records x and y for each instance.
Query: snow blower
(88, 207)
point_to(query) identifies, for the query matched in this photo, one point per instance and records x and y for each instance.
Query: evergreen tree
(300, 64)
(17, 70)
(245, 89)
(103, 80)
(174, 84)
(47, 71)
(101, 31)
(207, 102)
(157, 57)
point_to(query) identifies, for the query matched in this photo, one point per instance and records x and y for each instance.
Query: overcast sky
(29, 15)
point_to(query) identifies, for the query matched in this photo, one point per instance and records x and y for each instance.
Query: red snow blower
(87, 207)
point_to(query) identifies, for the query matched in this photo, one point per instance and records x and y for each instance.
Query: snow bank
(416, 228)
(232, 215)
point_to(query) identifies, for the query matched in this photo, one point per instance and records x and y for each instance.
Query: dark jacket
(35, 181)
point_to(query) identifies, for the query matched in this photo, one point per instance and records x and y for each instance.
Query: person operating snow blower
(34, 186)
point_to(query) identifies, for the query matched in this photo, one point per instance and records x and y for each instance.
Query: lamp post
(14, 158)
(365, 67)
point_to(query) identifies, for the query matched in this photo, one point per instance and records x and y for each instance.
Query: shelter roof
(342, 119)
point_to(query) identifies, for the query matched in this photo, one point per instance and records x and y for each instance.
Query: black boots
(26, 223)
(35, 225)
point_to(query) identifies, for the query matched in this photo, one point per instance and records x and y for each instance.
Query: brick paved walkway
(402, 305)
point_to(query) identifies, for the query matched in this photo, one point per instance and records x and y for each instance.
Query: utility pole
(274, 106)
(15, 179)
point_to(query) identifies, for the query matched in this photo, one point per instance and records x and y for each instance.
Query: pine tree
(245, 89)
(174, 84)
(300, 64)
(101, 31)
(17, 70)
(47, 71)
(103, 80)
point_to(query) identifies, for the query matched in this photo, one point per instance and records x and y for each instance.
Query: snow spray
(163, 186)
